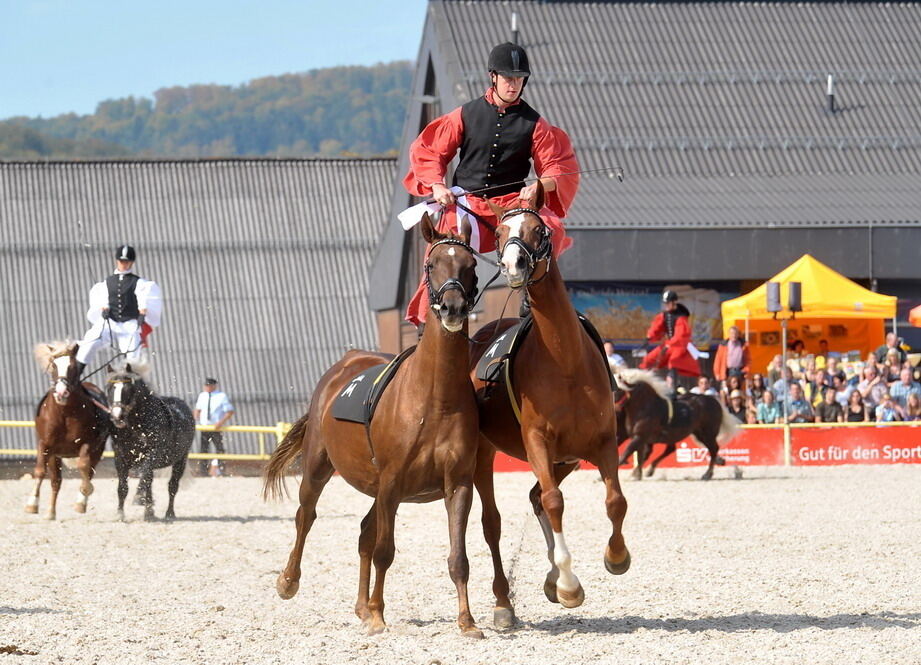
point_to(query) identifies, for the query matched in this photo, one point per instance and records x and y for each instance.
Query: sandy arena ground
(783, 566)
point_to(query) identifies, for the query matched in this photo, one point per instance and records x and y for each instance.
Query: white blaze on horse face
(116, 398)
(511, 254)
(563, 560)
(61, 364)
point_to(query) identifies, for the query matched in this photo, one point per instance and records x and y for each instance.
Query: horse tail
(273, 476)
(729, 426)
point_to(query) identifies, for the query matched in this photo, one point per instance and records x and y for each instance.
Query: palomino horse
(419, 447)
(562, 389)
(151, 432)
(647, 416)
(68, 423)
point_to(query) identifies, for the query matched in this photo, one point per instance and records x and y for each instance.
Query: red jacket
(673, 352)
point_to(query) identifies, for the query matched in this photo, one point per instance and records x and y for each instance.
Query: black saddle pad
(491, 366)
(357, 401)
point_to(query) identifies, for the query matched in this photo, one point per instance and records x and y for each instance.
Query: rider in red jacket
(672, 331)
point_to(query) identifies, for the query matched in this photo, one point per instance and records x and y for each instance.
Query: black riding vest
(123, 303)
(496, 149)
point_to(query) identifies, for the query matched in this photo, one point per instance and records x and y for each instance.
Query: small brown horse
(647, 416)
(68, 423)
(561, 386)
(420, 446)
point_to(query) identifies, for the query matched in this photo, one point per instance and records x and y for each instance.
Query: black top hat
(125, 253)
(210, 382)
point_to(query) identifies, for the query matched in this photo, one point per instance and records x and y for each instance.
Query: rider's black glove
(647, 345)
(105, 313)
(140, 320)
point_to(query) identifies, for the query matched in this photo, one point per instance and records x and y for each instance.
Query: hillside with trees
(323, 112)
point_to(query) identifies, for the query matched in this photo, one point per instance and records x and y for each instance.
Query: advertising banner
(873, 444)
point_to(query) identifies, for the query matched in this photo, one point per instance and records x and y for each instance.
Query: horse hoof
(570, 599)
(720, 461)
(376, 627)
(550, 590)
(80, 507)
(51, 517)
(473, 633)
(504, 617)
(120, 516)
(617, 567)
(32, 509)
(285, 587)
(170, 517)
(707, 476)
(149, 515)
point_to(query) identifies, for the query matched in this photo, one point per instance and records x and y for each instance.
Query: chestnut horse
(419, 447)
(562, 389)
(68, 423)
(646, 416)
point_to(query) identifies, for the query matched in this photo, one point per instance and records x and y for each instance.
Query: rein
(543, 252)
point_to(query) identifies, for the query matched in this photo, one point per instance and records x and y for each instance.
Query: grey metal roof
(263, 264)
(716, 110)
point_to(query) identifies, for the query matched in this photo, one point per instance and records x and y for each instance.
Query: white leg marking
(563, 560)
(32, 500)
(81, 498)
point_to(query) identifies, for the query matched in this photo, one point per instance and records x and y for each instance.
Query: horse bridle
(436, 296)
(544, 251)
(126, 408)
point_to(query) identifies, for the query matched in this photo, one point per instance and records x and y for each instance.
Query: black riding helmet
(669, 296)
(510, 60)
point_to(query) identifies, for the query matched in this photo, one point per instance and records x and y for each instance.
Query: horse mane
(43, 352)
(629, 377)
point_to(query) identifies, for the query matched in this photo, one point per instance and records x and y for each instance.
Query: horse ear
(128, 367)
(466, 231)
(498, 211)
(539, 197)
(428, 229)
(73, 349)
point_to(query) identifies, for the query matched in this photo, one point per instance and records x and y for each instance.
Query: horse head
(58, 359)
(124, 391)
(450, 274)
(522, 240)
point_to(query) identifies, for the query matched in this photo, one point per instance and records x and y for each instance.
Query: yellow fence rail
(277, 431)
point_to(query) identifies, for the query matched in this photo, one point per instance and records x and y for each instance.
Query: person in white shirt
(615, 360)
(124, 309)
(212, 407)
(703, 387)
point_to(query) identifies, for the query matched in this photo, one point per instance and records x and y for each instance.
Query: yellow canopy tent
(848, 316)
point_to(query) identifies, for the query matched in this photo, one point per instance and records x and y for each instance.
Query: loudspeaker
(773, 297)
(795, 297)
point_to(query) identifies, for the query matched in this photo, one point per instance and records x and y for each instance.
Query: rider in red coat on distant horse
(671, 329)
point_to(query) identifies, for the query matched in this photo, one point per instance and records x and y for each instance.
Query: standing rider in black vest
(499, 137)
(124, 308)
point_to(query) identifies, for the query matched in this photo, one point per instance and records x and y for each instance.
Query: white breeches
(126, 334)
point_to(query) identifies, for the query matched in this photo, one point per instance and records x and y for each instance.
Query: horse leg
(559, 472)
(85, 466)
(178, 470)
(366, 542)
(616, 554)
(145, 491)
(569, 590)
(458, 499)
(383, 555)
(121, 468)
(54, 464)
(317, 472)
(713, 448)
(638, 446)
(41, 468)
(669, 449)
(503, 615)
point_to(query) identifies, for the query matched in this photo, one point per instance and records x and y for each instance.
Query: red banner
(873, 444)
(811, 446)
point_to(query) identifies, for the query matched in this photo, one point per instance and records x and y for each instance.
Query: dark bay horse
(420, 446)
(151, 432)
(645, 417)
(68, 423)
(561, 386)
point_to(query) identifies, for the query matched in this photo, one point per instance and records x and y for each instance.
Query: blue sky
(58, 56)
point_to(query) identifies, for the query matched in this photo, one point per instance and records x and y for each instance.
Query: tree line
(337, 111)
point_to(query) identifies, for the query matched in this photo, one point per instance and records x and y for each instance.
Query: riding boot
(673, 375)
(524, 309)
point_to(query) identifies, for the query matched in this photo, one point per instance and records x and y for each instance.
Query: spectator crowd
(815, 387)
